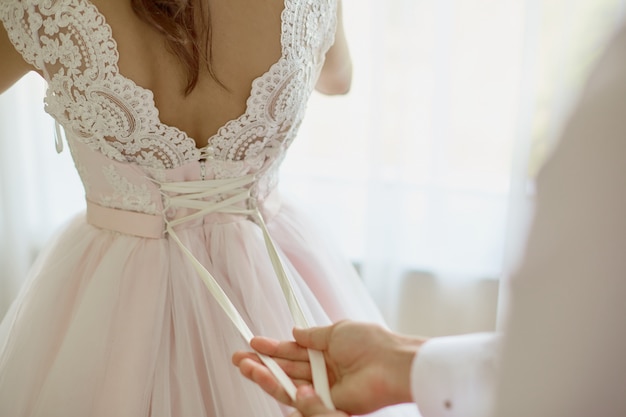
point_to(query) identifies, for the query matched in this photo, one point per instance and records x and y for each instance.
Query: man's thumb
(313, 338)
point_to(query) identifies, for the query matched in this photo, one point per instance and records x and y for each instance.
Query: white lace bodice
(112, 123)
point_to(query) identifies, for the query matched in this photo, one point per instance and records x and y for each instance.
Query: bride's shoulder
(12, 65)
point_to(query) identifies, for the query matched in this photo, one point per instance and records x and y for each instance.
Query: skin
(368, 366)
(12, 66)
(336, 75)
(246, 42)
(308, 404)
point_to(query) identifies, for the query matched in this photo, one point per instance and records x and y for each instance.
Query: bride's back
(245, 42)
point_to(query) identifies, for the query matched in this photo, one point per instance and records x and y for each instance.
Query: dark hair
(186, 25)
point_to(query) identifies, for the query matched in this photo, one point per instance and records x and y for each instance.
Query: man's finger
(241, 355)
(262, 376)
(294, 369)
(313, 338)
(309, 404)
(276, 349)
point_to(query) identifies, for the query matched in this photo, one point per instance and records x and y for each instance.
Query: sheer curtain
(414, 165)
(422, 173)
(39, 189)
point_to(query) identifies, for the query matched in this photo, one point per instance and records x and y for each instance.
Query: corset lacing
(235, 196)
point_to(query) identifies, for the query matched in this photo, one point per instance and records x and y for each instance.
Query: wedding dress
(115, 319)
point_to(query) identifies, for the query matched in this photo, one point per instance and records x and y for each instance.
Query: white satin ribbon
(232, 193)
(58, 137)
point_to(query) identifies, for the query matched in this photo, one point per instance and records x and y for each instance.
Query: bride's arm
(336, 75)
(12, 65)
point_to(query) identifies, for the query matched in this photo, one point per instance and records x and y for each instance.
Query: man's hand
(310, 405)
(368, 366)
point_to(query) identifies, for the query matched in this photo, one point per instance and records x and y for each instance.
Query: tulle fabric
(109, 324)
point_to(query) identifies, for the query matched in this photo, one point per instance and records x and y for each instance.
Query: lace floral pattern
(114, 121)
(126, 195)
(70, 41)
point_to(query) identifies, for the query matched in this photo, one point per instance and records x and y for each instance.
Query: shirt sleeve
(565, 344)
(454, 376)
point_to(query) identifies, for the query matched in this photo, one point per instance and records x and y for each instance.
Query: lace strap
(22, 21)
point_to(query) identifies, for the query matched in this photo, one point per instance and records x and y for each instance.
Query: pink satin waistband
(153, 226)
(127, 222)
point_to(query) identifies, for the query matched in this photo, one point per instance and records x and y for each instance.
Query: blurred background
(423, 174)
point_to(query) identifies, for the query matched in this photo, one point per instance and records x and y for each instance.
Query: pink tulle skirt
(112, 325)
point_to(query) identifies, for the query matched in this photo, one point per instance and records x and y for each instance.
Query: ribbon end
(58, 137)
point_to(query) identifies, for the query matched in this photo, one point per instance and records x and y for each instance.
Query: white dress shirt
(563, 351)
(454, 376)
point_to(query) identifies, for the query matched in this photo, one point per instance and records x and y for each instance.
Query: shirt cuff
(454, 376)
